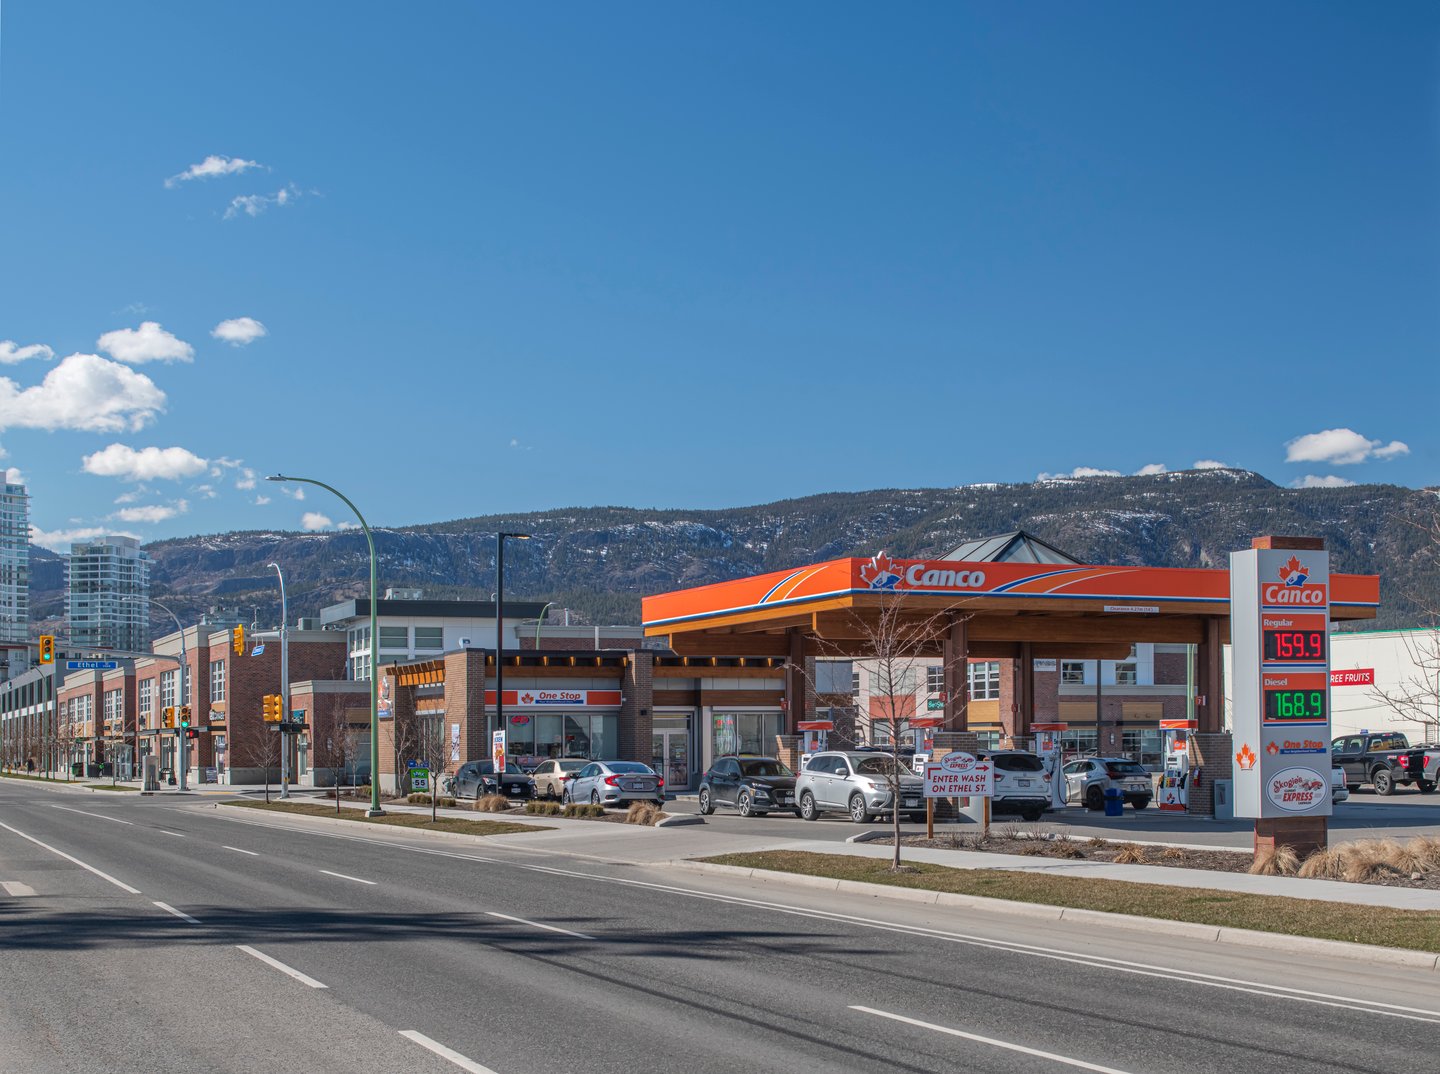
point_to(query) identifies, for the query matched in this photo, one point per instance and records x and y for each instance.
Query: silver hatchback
(857, 783)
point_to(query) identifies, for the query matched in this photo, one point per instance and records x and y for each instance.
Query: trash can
(77, 769)
(1114, 802)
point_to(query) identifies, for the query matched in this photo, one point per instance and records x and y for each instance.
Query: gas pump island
(1280, 637)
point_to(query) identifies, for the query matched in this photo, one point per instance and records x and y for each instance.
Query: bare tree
(260, 748)
(432, 750)
(1415, 697)
(338, 746)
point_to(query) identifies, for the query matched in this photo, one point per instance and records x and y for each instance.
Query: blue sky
(512, 257)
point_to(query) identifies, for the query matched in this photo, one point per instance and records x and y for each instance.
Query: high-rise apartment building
(14, 562)
(107, 594)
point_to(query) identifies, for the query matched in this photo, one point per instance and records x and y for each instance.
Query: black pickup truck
(1385, 759)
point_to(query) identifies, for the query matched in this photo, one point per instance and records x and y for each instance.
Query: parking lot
(1364, 816)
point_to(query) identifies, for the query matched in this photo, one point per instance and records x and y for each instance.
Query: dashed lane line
(289, 971)
(73, 860)
(539, 925)
(445, 1053)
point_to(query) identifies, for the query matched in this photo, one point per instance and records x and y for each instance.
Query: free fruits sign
(960, 775)
(1279, 628)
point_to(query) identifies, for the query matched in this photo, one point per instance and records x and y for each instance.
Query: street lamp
(500, 629)
(540, 619)
(374, 810)
(285, 688)
(182, 748)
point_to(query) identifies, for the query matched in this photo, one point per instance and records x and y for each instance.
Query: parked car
(476, 779)
(1087, 779)
(1338, 791)
(614, 783)
(551, 776)
(1385, 760)
(753, 785)
(1021, 783)
(857, 783)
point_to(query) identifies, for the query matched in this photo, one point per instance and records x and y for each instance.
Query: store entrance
(670, 752)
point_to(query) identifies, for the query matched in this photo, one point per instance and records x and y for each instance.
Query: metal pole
(285, 687)
(374, 810)
(548, 605)
(499, 639)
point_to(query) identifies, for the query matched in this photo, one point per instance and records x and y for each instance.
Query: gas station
(961, 610)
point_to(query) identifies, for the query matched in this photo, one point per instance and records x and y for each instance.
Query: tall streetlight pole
(540, 619)
(500, 627)
(182, 748)
(285, 686)
(374, 810)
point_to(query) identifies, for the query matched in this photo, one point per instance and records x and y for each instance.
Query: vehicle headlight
(761, 792)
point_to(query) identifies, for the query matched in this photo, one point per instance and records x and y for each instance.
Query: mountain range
(598, 561)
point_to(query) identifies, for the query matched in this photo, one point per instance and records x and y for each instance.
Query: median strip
(417, 821)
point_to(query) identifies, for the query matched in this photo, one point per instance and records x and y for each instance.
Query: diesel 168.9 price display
(1302, 705)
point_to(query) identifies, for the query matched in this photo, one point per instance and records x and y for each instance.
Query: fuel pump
(1047, 745)
(1174, 791)
(815, 734)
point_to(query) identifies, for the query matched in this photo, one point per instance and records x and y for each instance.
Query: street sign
(91, 665)
(935, 704)
(960, 775)
(419, 778)
(257, 650)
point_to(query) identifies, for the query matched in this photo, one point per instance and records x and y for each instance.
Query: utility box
(150, 773)
(1224, 799)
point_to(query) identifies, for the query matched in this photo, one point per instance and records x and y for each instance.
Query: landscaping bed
(398, 820)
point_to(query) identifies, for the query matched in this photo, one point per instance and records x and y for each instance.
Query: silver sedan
(615, 783)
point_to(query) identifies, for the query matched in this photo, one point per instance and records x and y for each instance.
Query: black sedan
(753, 785)
(476, 779)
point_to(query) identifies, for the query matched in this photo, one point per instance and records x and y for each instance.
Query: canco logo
(882, 572)
(1292, 588)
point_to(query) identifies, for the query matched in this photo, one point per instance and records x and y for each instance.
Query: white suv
(857, 783)
(1021, 783)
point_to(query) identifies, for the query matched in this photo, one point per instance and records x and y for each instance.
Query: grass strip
(35, 779)
(399, 820)
(1416, 930)
(109, 787)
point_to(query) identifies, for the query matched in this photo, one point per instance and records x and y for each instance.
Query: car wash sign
(1280, 644)
(960, 775)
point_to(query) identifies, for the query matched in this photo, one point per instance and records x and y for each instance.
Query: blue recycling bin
(1114, 802)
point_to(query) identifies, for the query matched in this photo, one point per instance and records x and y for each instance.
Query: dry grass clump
(1032, 848)
(421, 798)
(1327, 864)
(1367, 861)
(1427, 851)
(1173, 854)
(1066, 848)
(1130, 854)
(1096, 843)
(492, 803)
(644, 813)
(544, 809)
(1275, 861)
(582, 809)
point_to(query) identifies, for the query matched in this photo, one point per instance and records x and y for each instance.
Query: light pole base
(375, 812)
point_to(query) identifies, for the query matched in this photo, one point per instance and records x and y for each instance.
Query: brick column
(787, 749)
(955, 654)
(1213, 754)
(637, 707)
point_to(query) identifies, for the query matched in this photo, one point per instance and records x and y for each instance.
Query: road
(166, 936)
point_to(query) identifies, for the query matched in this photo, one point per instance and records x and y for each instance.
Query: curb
(63, 788)
(538, 825)
(1275, 941)
(675, 820)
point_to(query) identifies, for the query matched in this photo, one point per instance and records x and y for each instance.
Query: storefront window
(744, 732)
(1143, 745)
(574, 735)
(1078, 742)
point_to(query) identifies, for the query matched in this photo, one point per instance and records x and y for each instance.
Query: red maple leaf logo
(526, 698)
(1246, 757)
(1272, 749)
(1293, 572)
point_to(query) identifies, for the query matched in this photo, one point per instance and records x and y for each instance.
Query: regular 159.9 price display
(1293, 646)
(1307, 705)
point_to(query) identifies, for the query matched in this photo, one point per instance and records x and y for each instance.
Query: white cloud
(239, 331)
(134, 494)
(246, 480)
(1340, 447)
(1210, 464)
(348, 526)
(147, 464)
(1329, 481)
(255, 204)
(212, 167)
(1151, 469)
(314, 520)
(261, 501)
(60, 540)
(1080, 471)
(207, 492)
(148, 343)
(11, 352)
(14, 476)
(85, 392)
(296, 493)
(152, 512)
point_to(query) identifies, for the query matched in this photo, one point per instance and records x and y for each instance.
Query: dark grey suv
(753, 785)
(857, 783)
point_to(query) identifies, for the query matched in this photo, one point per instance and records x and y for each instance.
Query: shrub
(1275, 861)
(582, 810)
(1173, 854)
(545, 809)
(1328, 864)
(1032, 848)
(1365, 861)
(1067, 848)
(1427, 850)
(644, 813)
(1130, 854)
(421, 798)
(492, 803)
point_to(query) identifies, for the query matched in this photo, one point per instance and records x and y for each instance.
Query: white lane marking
(239, 851)
(15, 889)
(1142, 969)
(538, 925)
(445, 1053)
(275, 962)
(74, 861)
(342, 876)
(181, 914)
(1005, 1044)
(177, 835)
(99, 816)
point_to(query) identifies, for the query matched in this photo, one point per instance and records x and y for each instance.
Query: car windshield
(629, 767)
(1017, 762)
(572, 766)
(487, 768)
(877, 766)
(764, 767)
(1126, 768)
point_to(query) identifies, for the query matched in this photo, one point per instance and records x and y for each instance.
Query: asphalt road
(170, 936)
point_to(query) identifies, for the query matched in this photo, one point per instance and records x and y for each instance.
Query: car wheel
(857, 809)
(1032, 815)
(1352, 788)
(916, 818)
(565, 796)
(744, 804)
(807, 810)
(594, 797)
(1139, 803)
(706, 805)
(1426, 786)
(1384, 785)
(1094, 798)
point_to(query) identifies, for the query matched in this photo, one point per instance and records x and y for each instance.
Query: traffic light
(238, 638)
(47, 648)
(185, 716)
(274, 706)
(192, 733)
(168, 717)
